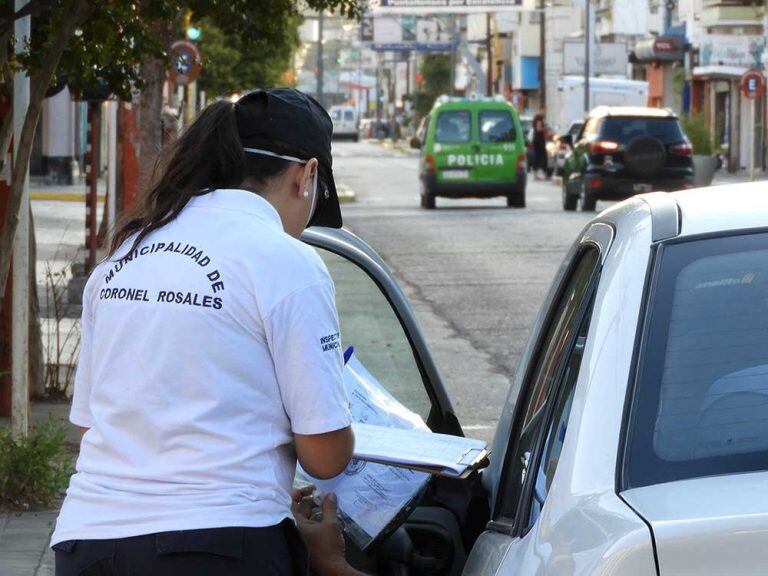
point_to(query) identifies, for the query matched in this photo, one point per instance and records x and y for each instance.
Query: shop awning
(718, 71)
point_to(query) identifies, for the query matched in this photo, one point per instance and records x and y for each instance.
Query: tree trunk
(36, 353)
(39, 83)
(150, 121)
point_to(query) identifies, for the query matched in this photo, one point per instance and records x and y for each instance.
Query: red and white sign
(185, 62)
(752, 84)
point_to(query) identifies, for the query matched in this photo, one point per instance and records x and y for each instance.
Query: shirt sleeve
(303, 337)
(80, 414)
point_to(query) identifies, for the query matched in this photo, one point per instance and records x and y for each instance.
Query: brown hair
(208, 155)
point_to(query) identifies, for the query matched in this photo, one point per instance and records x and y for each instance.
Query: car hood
(716, 525)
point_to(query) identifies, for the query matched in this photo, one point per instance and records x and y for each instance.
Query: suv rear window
(349, 115)
(701, 398)
(496, 126)
(624, 129)
(453, 126)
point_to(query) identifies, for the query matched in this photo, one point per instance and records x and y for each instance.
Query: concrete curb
(61, 196)
(345, 193)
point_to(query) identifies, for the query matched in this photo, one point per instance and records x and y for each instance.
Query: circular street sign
(185, 62)
(752, 83)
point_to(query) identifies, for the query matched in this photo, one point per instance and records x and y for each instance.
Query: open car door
(376, 319)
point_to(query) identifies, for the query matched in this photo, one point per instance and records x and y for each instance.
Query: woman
(205, 369)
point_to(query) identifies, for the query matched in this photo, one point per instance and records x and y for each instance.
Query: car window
(575, 129)
(701, 397)
(335, 114)
(623, 130)
(349, 115)
(369, 324)
(558, 424)
(555, 349)
(496, 126)
(453, 126)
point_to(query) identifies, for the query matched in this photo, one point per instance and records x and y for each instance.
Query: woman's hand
(323, 538)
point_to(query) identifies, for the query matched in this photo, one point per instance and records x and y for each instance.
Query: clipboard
(422, 450)
(480, 461)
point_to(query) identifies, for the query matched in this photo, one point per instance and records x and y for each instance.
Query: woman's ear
(306, 177)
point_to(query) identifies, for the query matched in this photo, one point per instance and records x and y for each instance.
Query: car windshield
(496, 126)
(624, 129)
(574, 130)
(701, 398)
(453, 126)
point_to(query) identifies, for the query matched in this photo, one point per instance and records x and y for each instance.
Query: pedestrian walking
(540, 144)
(211, 356)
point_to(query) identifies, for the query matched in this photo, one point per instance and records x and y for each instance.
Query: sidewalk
(24, 536)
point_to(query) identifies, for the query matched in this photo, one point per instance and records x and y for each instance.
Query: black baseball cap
(286, 121)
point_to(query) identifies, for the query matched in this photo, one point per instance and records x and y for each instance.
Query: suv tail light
(521, 163)
(603, 147)
(682, 149)
(429, 160)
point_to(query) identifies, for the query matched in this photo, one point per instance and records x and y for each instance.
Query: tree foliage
(436, 70)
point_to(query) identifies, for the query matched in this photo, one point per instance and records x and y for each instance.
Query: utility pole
(320, 70)
(543, 53)
(489, 51)
(20, 260)
(587, 55)
(454, 48)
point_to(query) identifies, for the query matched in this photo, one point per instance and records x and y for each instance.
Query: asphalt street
(474, 270)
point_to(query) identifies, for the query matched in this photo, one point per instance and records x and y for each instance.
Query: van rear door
(453, 144)
(497, 151)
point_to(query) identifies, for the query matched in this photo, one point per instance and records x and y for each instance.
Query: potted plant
(700, 137)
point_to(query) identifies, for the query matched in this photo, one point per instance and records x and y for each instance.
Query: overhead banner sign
(443, 6)
(611, 58)
(399, 33)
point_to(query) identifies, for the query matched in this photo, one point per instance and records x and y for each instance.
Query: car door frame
(442, 417)
(499, 537)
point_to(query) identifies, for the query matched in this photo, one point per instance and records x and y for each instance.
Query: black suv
(622, 151)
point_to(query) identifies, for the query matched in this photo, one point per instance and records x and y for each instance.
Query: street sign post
(185, 62)
(752, 86)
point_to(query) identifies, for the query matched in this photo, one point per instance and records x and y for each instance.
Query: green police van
(472, 148)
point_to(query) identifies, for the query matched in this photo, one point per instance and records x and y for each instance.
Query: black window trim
(641, 338)
(514, 526)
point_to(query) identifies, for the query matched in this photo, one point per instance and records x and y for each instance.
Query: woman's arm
(326, 455)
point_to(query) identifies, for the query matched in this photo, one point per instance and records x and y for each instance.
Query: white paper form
(370, 495)
(447, 454)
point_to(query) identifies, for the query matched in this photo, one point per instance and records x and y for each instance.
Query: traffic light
(193, 33)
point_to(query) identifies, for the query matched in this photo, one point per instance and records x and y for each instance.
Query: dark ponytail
(208, 155)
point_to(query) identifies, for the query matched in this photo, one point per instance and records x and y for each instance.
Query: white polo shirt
(202, 353)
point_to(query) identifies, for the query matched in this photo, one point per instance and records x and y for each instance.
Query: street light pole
(320, 70)
(543, 53)
(587, 55)
(489, 51)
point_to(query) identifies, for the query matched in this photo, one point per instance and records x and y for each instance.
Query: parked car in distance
(472, 148)
(373, 128)
(345, 122)
(562, 148)
(634, 437)
(623, 151)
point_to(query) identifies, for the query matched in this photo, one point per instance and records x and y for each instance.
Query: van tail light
(603, 147)
(429, 160)
(521, 163)
(682, 149)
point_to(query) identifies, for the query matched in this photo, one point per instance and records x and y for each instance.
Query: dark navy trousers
(272, 551)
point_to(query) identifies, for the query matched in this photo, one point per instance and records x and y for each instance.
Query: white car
(345, 122)
(634, 440)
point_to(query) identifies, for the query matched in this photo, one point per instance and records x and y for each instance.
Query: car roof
(643, 111)
(723, 208)
(445, 103)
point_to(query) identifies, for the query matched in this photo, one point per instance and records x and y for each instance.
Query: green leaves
(34, 469)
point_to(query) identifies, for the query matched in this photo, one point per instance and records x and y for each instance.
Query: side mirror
(415, 142)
